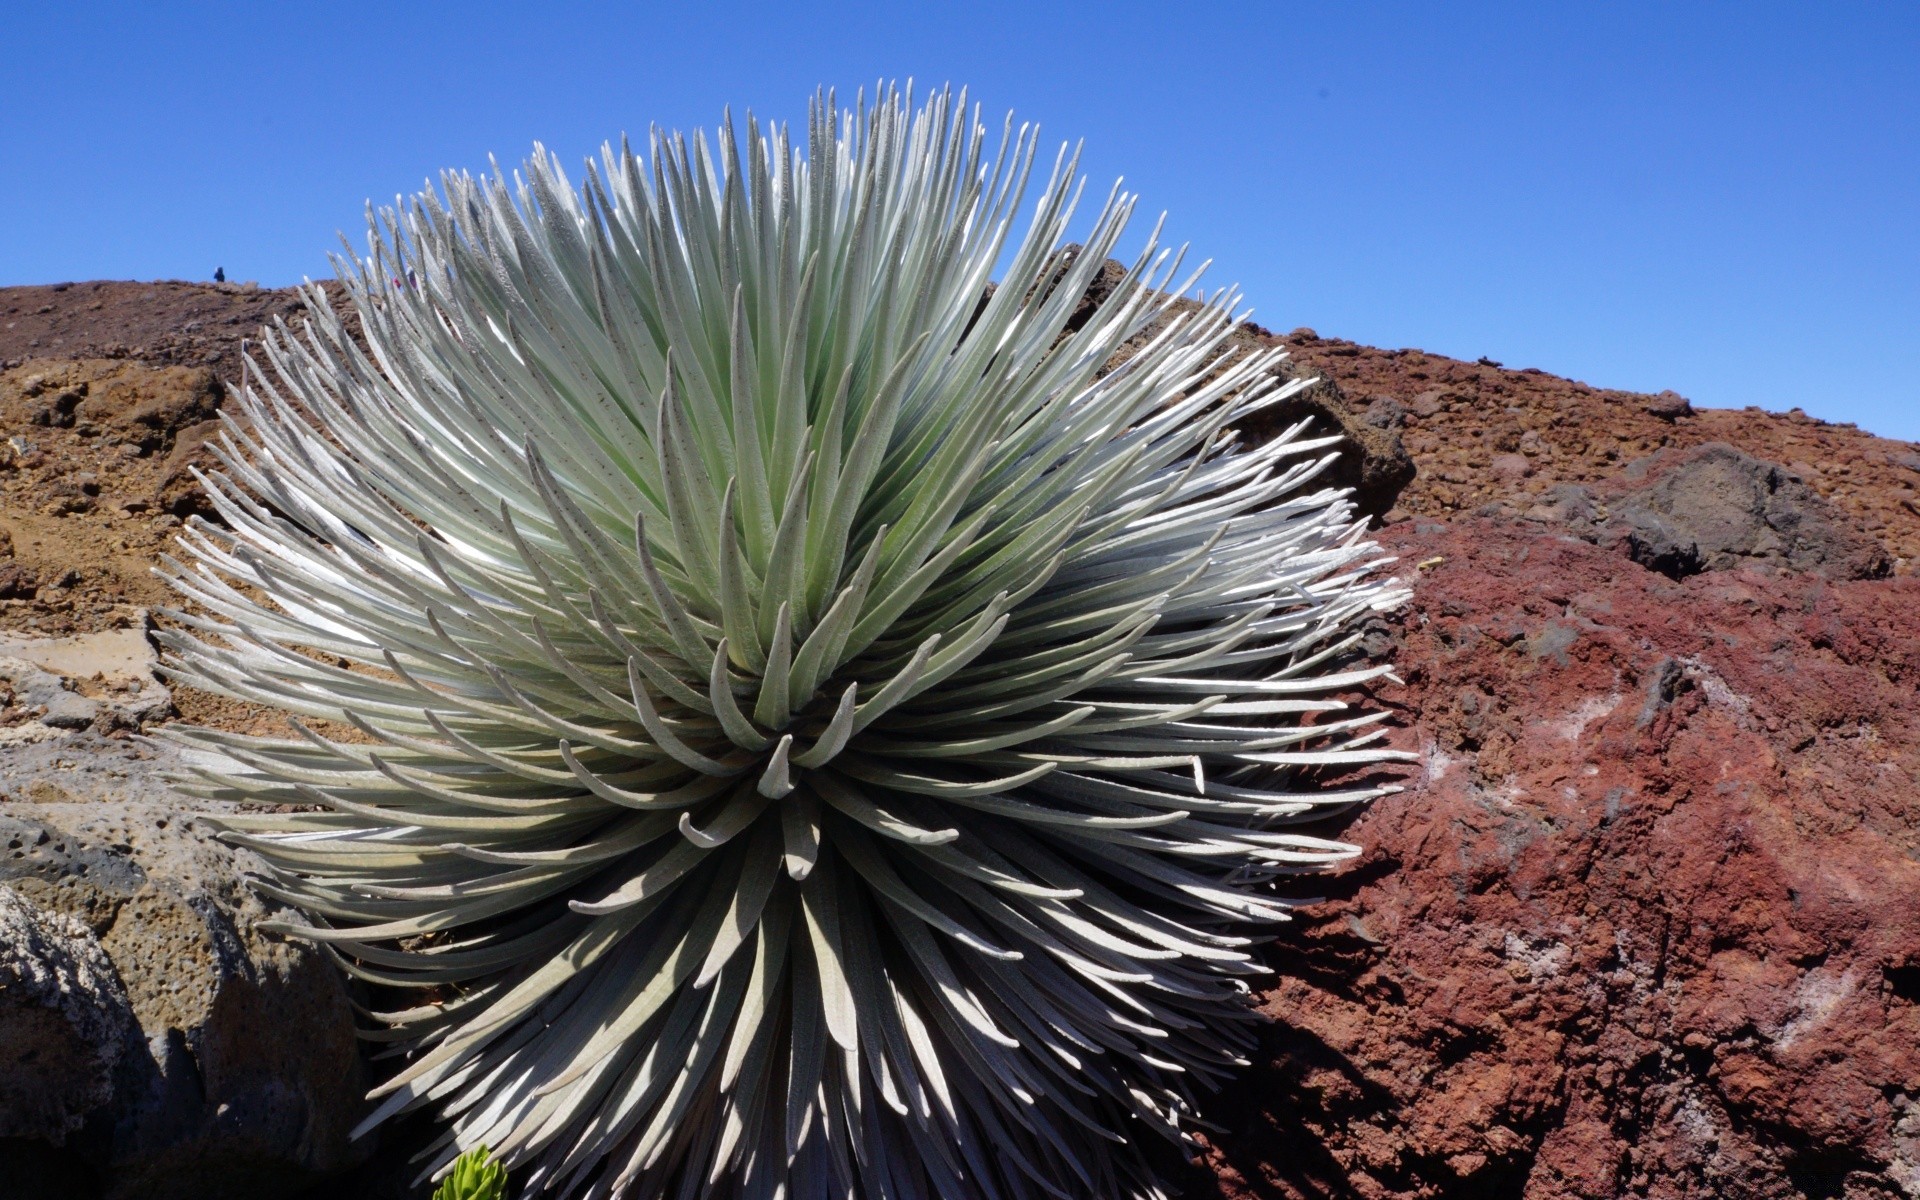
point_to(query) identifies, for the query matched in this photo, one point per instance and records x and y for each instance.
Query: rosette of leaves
(806, 722)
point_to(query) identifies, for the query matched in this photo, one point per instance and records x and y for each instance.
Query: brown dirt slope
(170, 322)
(108, 392)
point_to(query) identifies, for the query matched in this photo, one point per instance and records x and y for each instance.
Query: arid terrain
(1643, 922)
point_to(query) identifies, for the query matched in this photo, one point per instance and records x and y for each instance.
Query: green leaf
(473, 1176)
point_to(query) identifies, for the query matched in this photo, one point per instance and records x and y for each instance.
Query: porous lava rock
(64, 1019)
(1714, 508)
(201, 1058)
(1644, 922)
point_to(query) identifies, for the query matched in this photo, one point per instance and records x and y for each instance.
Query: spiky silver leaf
(823, 735)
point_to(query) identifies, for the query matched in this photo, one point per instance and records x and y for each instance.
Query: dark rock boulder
(64, 1017)
(1714, 508)
(1372, 462)
(1669, 406)
(152, 1043)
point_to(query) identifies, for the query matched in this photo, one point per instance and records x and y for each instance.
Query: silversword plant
(806, 722)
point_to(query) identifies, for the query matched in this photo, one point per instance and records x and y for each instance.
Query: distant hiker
(219, 274)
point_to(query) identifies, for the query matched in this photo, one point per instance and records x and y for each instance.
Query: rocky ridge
(1483, 433)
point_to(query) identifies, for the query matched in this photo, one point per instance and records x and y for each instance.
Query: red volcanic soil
(1646, 920)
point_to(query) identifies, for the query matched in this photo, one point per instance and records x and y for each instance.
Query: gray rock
(1511, 468)
(1713, 508)
(1384, 412)
(1571, 504)
(115, 665)
(235, 1071)
(33, 687)
(54, 869)
(64, 1020)
(1669, 406)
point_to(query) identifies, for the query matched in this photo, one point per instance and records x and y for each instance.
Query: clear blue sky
(1721, 199)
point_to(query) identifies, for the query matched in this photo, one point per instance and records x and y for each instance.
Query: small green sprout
(473, 1176)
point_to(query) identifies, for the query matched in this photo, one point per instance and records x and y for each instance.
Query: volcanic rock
(102, 680)
(134, 402)
(1669, 406)
(1643, 924)
(16, 582)
(159, 1046)
(1713, 508)
(64, 1018)
(1460, 414)
(1374, 463)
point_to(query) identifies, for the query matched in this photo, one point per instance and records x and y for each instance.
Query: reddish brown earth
(1482, 433)
(1643, 924)
(109, 392)
(168, 322)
